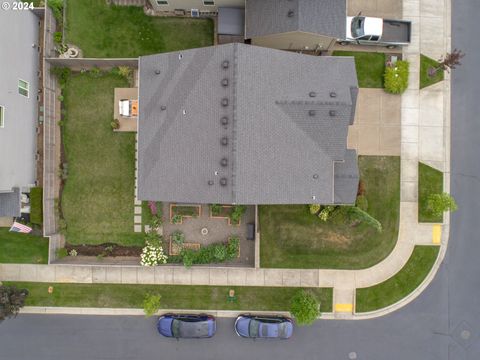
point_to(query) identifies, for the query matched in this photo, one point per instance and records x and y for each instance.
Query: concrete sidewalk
(425, 137)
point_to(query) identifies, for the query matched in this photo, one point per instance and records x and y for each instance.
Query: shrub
(396, 77)
(152, 253)
(125, 71)
(61, 253)
(178, 238)
(220, 252)
(57, 37)
(57, 9)
(73, 253)
(439, 203)
(188, 257)
(62, 74)
(115, 124)
(358, 214)
(177, 219)
(304, 307)
(61, 98)
(11, 301)
(324, 214)
(151, 304)
(153, 207)
(362, 202)
(233, 247)
(215, 209)
(237, 213)
(314, 208)
(36, 216)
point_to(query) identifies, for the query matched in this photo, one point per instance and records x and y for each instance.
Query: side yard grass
(36, 205)
(173, 296)
(430, 181)
(425, 64)
(103, 30)
(400, 285)
(293, 238)
(18, 248)
(98, 197)
(370, 67)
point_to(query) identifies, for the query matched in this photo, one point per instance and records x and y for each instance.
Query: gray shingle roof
(346, 179)
(267, 17)
(231, 21)
(10, 203)
(278, 131)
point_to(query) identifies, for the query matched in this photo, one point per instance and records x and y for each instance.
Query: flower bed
(214, 253)
(233, 213)
(107, 249)
(175, 249)
(178, 212)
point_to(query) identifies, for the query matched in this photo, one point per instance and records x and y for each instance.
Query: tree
(305, 307)
(447, 62)
(11, 301)
(151, 304)
(438, 203)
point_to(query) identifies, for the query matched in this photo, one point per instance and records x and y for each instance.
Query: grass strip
(173, 296)
(430, 181)
(400, 285)
(370, 67)
(425, 64)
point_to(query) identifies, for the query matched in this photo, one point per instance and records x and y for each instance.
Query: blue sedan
(187, 326)
(263, 326)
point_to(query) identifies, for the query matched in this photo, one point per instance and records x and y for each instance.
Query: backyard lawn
(102, 30)
(173, 296)
(293, 238)
(370, 67)
(98, 197)
(425, 64)
(400, 285)
(430, 181)
(18, 248)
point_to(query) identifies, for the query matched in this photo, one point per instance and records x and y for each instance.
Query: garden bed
(107, 249)
(233, 213)
(175, 249)
(183, 211)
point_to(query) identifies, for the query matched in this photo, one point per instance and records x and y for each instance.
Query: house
(19, 64)
(241, 124)
(313, 25)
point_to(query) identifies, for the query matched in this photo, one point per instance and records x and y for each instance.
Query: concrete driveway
(376, 129)
(391, 9)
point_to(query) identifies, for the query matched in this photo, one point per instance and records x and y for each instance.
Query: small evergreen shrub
(314, 208)
(151, 304)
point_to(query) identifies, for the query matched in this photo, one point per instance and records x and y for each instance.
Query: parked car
(187, 326)
(365, 30)
(264, 326)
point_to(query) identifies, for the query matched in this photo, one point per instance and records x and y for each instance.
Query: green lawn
(370, 67)
(425, 64)
(430, 181)
(101, 30)
(36, 205)
(98, 200)
(173, 296)
(400, 285)
(293, 238)
(22, 248)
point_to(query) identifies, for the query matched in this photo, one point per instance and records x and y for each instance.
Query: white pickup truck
(365, 30)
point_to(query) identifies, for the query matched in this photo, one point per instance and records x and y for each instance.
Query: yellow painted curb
(343, 308)
(437, 234)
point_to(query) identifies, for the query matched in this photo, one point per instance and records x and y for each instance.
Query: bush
(233, 247)
(396, 77)
(151, 304)
(362, 202)
(62, 74)
(57, 37)
(152, 253)
(211, 253)
(11, 301)
(305, 308)
(314, 208)
(57, 9)
(36, 211)
(188, 257)
(437, 204)
(215, 209)
(178, 238)
(177, 219)
(237, 213)
(325, 213)
(220, 252)
(358, 214)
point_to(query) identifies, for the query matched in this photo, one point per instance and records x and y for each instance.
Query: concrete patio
(127, 124)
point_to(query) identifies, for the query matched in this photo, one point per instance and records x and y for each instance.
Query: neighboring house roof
(19, 60)
(231, 21)
(268, 17)
(10, 203)
(243, 124)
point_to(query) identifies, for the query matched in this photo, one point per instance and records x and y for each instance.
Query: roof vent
(333, 94)
(315, 176)
(184, 112)
(311, 112)
(180, 56)
(312, 94)
(224, 121)
(225, 82)
(223, 181)
(290, 13)
(163, 107)
(224, 141)
(157, 72)
(225, 102)
(224, 162)
(210, 182)
(225, 64)
(332, 113)
(314, 197)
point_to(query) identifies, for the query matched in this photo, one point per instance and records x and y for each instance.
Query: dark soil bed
(107, 249)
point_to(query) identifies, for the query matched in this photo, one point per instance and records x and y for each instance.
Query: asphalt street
(443, 323)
